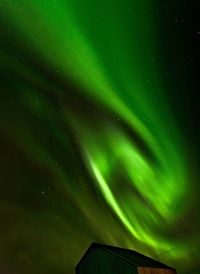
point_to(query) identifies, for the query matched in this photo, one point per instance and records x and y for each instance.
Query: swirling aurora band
(87, 77)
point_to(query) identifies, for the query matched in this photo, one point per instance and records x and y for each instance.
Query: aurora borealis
(98, 140)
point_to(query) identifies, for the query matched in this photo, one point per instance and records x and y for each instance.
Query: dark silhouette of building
(105, 259)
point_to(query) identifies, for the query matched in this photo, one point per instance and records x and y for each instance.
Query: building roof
(131, 256)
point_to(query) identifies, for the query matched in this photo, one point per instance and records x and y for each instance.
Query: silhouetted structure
(105, 259)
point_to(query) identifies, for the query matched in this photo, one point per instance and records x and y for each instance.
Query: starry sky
(99, 137)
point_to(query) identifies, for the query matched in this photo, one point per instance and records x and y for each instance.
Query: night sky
(99, 131)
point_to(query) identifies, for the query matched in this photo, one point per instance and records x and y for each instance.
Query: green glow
(125, 137)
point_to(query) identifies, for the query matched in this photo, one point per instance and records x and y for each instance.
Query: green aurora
(90, 147)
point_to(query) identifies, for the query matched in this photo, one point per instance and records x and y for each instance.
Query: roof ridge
(130, 252)
(119, 256)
